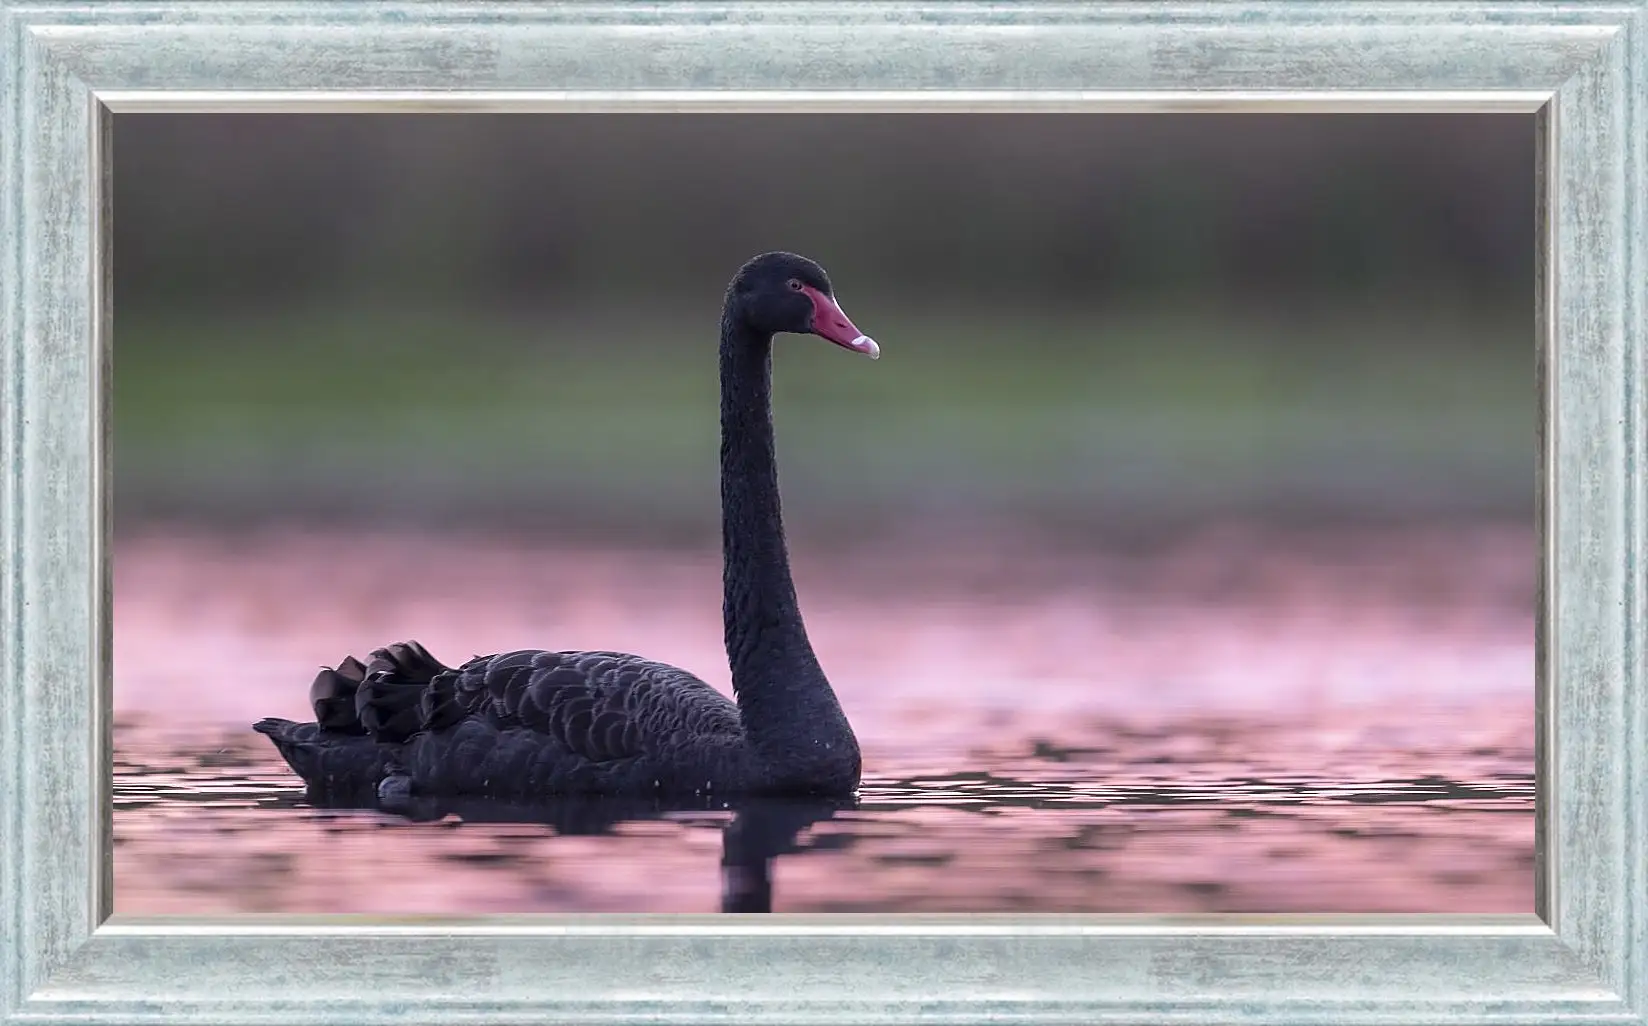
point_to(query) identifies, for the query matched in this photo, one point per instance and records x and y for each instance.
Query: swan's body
(532, 722)
(519, 723)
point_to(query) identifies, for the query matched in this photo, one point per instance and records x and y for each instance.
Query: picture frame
(1580, 68)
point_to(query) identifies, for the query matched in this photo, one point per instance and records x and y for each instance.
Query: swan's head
(783, 292)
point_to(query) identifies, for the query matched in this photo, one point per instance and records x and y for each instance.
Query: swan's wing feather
(385, 698)
(603, 706)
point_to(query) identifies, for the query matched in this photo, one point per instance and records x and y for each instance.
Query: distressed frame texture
(1580, 68)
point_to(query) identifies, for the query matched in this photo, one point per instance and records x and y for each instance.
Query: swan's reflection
(761, 829)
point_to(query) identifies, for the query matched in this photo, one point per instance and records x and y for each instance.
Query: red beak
(831, 323)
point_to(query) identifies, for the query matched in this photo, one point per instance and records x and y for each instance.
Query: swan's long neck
(785, 701)
(762, 618)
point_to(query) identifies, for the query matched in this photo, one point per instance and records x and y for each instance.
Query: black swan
(532, 723)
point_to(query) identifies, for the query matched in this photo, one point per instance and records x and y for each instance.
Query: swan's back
(522, 722)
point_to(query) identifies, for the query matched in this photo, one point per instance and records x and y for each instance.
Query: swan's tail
(325, 759)
(360, 708)
(296, 742)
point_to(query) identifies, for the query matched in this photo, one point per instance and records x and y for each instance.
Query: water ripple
(976, 791)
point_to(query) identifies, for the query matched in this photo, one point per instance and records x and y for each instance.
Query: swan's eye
(795, 284)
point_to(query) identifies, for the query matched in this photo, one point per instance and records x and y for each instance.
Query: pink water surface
(1242, 720)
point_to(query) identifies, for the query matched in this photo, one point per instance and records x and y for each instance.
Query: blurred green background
(1090, 323)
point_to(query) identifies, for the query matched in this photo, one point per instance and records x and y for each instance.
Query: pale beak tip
(867, 345)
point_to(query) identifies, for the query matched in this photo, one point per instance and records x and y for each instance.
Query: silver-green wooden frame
(1580, 69)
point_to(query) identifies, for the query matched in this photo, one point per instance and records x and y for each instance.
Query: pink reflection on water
(1234, 655)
